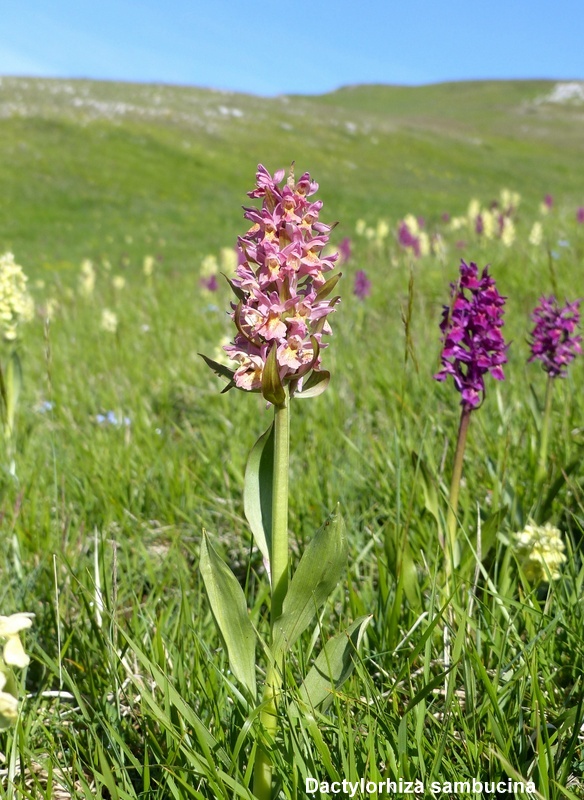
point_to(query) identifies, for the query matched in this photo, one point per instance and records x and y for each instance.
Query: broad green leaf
(410, 578)
(334, 665)
(402, 566)
(229, 609)
(428, 486)
(13, 384)
(316, 576)
(272, 389)
(257, 491)
(315, 385)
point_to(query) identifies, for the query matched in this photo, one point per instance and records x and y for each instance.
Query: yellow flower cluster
(109, 320)
(86, 278)
(536, 235)
(16, 304)
(541, 552)
(377, 234)
(12, 656)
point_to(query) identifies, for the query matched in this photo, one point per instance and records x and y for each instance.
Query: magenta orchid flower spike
(553, 339)
(556, 344)
(473, 344)
(362, 285)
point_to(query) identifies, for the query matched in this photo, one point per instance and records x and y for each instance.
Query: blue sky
(270, 48)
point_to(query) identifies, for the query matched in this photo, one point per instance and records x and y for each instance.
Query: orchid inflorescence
(473, 343)
(362, 285)
(553, 339)
(281, 311)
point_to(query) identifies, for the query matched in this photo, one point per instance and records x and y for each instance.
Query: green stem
(452, 554)
(545, 433)
(279, 554)
(262, 778)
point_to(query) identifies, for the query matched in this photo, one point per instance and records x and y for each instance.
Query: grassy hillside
(124, 449)
(103, 169)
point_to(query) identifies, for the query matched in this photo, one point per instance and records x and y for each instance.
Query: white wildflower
(8, 705)
(508, 232)
(118, 282)
(412, 223)
(509, 200)
(360, 227)
(456, 223)
(209, 266)
(474, 209)
(382, 230)
(489, 223)
(148, 266)
(10, 627)
(438, 246)
(86, 278)
(424, 243)
(228, 259)
(536, 235)
(16, 304)
(541, 552)
(109, 320)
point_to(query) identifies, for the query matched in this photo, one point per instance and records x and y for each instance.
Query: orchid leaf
(401, 564)
(239, 293)
(272, 389)
(334, 665)
(229, 610)
(428, 486)
(315, 385)
(317, 574)
(257, 491)
(220, 370)
(327, 287)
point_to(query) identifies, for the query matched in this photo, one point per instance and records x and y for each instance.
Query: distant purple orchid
(552, 340)
(580, 215)
(362, 285)
(471, 334)
(345, 250)
(548, 201)
(209, 283)
(407, 239)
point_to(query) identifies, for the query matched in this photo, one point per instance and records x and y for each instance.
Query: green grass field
(128, 693)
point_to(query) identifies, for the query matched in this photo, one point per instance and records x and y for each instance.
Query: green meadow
(126, 450)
